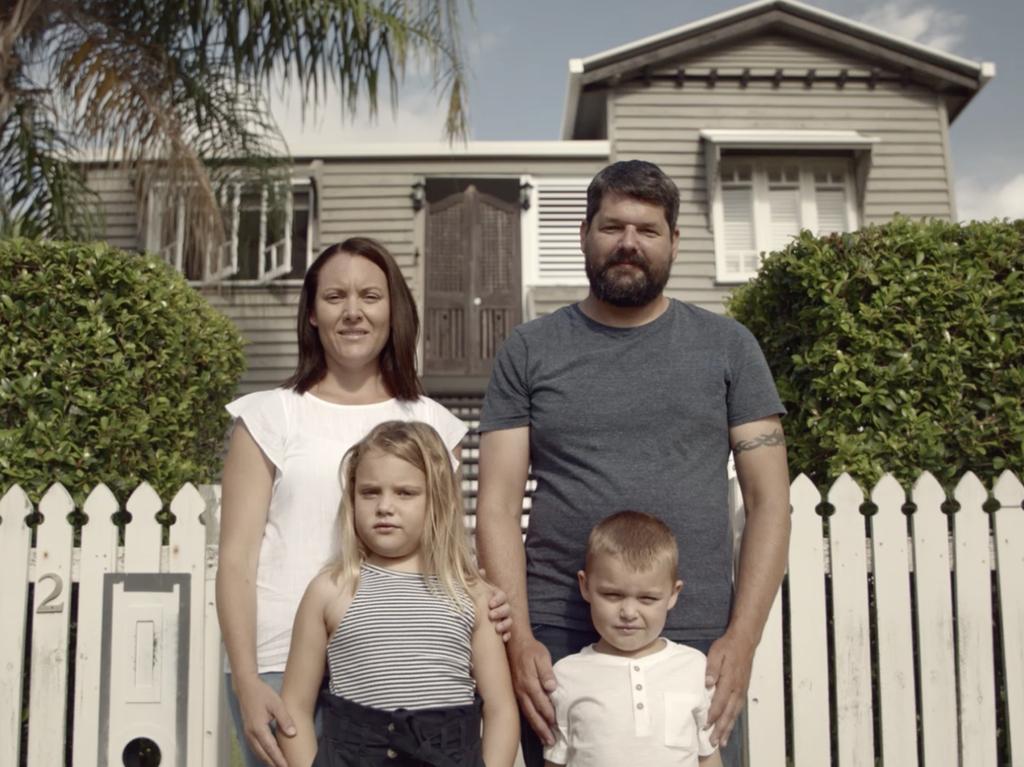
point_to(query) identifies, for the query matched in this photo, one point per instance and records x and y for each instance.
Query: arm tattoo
(772, 439)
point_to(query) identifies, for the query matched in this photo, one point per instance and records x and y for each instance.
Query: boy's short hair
(640, 540)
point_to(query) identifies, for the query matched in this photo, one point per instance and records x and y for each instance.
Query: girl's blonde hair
(445, 544)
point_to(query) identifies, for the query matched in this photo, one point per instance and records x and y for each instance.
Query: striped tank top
(402, 644)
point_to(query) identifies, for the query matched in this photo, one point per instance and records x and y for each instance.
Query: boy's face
(628, 607)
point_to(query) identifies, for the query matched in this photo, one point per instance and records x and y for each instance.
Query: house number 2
(48, 605)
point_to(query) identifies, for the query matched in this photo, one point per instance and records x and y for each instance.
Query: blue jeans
(274, 679)
(562, 642)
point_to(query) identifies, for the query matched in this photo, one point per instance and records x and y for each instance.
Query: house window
(766, 201)
(269, 233)
(551, 229)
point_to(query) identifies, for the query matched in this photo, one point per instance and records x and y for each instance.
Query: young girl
(401, 619)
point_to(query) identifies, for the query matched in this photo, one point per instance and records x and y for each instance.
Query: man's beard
(629, 291)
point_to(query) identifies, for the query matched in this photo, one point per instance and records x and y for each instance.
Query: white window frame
(778, 143)
(273, 260)
(536, 273)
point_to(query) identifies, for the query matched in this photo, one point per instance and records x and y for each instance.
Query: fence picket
(850, 625)
(891, 557)
(1008, 524)
(98, 556)
(216, 739)
(974, 625)
(188, 555)
(15, 543)
(934, 621)
(808, 628)
(766, 722)
(143, 535)
(51, 610)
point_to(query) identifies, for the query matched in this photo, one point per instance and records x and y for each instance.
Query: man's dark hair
(639, 179)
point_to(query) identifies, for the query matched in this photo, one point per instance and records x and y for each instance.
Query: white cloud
(980, 200)
(927, 25)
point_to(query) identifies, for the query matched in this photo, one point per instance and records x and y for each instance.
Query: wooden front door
(472, 278)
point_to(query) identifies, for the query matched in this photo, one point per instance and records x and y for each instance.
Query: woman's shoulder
(265, 401)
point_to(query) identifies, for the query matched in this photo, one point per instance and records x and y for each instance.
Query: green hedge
(898, 348)
(112, 369)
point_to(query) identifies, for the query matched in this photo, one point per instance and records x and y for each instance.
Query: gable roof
(957, 79)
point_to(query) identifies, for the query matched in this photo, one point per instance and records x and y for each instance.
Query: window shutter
(830, 200)
(740, 251)
(784, 211)
(561, 206)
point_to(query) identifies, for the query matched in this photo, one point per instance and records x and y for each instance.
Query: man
(632, 400)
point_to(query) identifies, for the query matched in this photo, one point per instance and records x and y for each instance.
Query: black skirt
(359, 736)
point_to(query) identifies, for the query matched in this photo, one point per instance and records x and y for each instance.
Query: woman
(357, 331)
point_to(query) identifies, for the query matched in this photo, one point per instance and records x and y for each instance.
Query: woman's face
(352, 312)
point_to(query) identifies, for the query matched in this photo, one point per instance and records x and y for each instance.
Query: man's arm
(759, 449)
(504, 464)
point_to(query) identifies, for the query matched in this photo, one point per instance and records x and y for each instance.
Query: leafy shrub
(898, 348)
(112, 369)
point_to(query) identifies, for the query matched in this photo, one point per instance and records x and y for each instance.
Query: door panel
(472, 280)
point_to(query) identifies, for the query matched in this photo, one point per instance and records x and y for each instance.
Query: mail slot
(144, 670)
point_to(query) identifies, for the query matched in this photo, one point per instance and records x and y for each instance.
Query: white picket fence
(146, 650)
(940, 712)
(850, 597)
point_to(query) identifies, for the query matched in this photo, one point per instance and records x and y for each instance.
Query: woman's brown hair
(398, 357)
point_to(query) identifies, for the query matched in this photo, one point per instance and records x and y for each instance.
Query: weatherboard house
(771, 118)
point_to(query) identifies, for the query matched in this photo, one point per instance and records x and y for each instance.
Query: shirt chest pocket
(681, 720)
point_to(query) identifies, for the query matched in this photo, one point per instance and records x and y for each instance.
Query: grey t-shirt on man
(630, 418)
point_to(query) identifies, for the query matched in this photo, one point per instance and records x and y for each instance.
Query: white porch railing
(888, 651)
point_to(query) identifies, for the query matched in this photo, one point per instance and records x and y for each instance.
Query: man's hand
(260, 704)
(533, 681)
(728, 671)
(499, 611)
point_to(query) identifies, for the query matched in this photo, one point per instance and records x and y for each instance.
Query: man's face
(628, 250)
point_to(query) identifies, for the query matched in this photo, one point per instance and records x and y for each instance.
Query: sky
(518, 53)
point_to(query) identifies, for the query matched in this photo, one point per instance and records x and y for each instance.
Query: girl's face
(352, 311)
(390, 511)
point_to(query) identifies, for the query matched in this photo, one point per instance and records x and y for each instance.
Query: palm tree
(176, 90)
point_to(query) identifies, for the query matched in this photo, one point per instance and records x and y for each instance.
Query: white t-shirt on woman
(305, 438)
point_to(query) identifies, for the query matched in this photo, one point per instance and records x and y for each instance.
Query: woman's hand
(261, 705)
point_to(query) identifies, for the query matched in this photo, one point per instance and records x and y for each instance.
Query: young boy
(634, 697)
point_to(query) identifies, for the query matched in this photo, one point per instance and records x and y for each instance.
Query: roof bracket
(809, 78)
(680, 77)
(745, 77)
(712, 78)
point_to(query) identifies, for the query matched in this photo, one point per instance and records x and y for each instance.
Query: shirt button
(391, 753)
(639, 687)
(639, 706)
(391, 727)
(636, 668)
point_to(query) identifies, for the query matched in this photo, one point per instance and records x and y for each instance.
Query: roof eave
(572, 98)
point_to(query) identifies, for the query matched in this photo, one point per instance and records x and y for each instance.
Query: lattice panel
(498, 247)
(446, 244)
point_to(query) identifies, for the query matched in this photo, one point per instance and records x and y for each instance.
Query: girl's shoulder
(326, 587)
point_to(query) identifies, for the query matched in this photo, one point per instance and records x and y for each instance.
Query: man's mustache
(626, 258)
